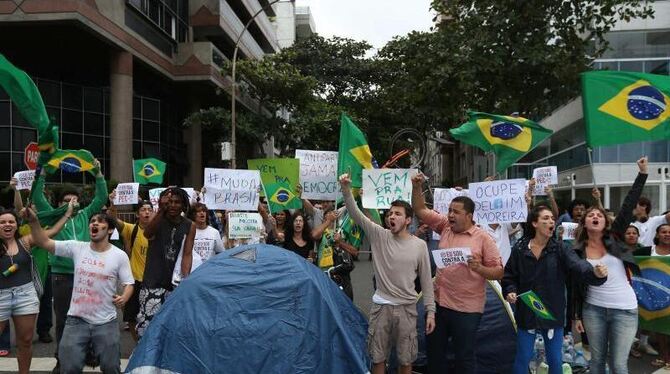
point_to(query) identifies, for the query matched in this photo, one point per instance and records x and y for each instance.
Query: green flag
(354, 153)
(71, 161)
(622, 107)
(148, 170)
(533, 301)
(508, 137)
(280, 177)
(652, 288)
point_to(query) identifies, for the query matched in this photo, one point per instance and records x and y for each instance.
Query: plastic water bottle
(542, 369)
(568, 349)
(539, 347)
(580, 360)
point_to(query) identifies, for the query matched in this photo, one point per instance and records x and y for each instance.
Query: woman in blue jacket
(541, 264)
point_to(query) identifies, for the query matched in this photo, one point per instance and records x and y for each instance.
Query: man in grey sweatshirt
(399, 258)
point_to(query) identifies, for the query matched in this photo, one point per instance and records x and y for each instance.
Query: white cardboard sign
(244, 225)
(24, 179)
(499, 201)
(127, 193)
(383, 186)
(318, 174)
(451, 256)
(232, 189)
(545, 176)
(569, 229)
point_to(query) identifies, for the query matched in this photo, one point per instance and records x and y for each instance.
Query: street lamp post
(233, 94)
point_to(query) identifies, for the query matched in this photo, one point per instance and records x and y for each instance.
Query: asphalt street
(362, 283)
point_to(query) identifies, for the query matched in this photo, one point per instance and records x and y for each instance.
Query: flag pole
(593, 169)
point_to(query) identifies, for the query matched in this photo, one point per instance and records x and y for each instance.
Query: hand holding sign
(511, 297)
(475, 264)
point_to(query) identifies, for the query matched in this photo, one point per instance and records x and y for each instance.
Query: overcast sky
(375, 21)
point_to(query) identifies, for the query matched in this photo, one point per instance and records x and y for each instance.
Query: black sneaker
(45, 338)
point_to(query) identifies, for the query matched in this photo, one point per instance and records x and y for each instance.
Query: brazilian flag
(652, 288)
(71, 161)
(148, 170)
(352, 233)
(510, 138)
(281, 197)
(533, 301)
(354, 154)
(623, 107)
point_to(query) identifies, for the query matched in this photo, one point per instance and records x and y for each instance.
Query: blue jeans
(525, 347)
(78, 334)
(462, 329)
(609, 327)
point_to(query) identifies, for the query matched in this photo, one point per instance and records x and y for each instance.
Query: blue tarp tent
(255, 309)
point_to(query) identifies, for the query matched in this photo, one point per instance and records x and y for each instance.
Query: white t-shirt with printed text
(96, 279)
(207, 243)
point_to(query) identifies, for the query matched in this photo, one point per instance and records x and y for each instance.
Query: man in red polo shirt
(460, 282)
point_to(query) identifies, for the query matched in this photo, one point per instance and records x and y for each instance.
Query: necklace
(12, 268)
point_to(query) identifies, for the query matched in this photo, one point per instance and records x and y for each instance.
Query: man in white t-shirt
(207, 240)
(99, 267)
(647, 225)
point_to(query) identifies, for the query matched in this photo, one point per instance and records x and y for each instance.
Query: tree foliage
(496, 56)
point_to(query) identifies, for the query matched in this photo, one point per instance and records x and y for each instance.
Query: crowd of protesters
(584, 282)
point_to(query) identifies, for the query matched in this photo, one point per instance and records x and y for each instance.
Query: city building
(638, 45)
(120, 76)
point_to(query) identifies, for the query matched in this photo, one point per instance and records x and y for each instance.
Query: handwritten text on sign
(24, 179)
(569, 229)
(544, 177)
(383, 186)
(442, 198)
(127, 193)
(154, 196)
(499, 201)
(318, 174)
(451, 256)
(244, 225)
(231, 189)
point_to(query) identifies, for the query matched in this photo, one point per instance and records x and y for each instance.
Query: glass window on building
(657, 67)
(618, 194)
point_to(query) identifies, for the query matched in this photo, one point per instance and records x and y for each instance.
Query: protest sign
(127, 193)
(499, 201)
(192, 195)
(441, 199)
(24, 179)
(244, 225)
(280, 176)
(232, 189)
(154, 196)
(451, 256)
(382, 186)
(318, 174)
(569, 229)
(545, 176)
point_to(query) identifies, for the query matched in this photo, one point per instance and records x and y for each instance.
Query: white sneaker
(648, 349)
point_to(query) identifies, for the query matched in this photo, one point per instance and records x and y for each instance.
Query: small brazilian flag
(623, 107)
(533, 301)
(71, 161)
(148, 170)
(281, 197)
(508, 137)
(353, 234)
(354, 154)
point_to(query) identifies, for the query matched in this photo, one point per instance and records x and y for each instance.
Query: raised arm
(152, 226)
(625, 215)
(307, 206)
(18, 201)
(418, 201)
(39, 199)
(597, 201)
(39, 237)
(359, 218)
(53, 230)
(100, 197)
(552, 200)
(187, 256)
(328, 220)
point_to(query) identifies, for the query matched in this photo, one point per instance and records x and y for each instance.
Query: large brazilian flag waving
(653, 293)
(508, 137)
(622, 107)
